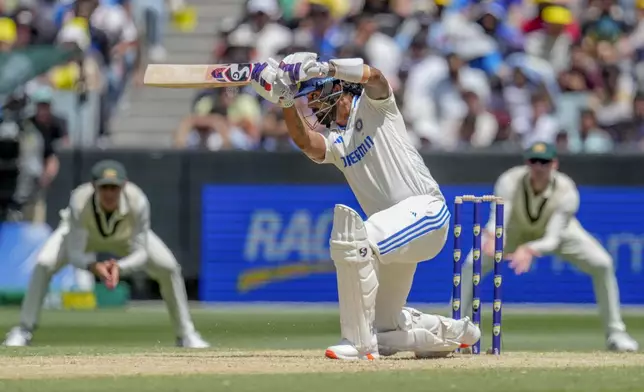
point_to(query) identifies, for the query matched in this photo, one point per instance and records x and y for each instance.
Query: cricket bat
(198, 75)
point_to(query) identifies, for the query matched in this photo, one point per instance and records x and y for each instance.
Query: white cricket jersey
(379, 162)
(122, 233)
(540, 220)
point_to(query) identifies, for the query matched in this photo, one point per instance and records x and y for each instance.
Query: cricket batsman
(110, 215)
(541, 204)
(408, 221)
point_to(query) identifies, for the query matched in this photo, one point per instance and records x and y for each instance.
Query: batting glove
(266, 82)
(302, 66)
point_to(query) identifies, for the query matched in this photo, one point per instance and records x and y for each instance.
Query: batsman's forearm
(296, 128)
(310, 142)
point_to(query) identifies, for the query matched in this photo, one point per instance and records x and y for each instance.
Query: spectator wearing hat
(294, 11)
(492, 19)
(78, 79)
(551, 43)
(339, 9)
(76, 33)
(572, 29)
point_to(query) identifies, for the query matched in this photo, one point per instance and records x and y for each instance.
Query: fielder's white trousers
(577, 247)
(412, 231)
(161, 266)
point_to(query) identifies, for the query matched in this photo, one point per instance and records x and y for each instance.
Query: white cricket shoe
(463, 331)
(347, 351)
(471, 333)
(18, 337)
(192, 340)
(621, 342)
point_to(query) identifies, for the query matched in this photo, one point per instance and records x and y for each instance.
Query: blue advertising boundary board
(270, 243)
(19, 246)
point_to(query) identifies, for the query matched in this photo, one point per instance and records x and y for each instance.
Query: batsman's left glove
(265, 81)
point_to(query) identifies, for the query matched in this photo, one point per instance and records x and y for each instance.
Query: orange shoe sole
(332, 355)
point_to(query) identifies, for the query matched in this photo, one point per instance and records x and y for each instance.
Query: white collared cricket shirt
(379, 162)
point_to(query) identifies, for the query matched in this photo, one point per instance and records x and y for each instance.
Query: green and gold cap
(540, 150)
(109, 172)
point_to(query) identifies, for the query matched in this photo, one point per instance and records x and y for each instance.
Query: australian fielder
(541, 204)
(375, 259)
(109, 215)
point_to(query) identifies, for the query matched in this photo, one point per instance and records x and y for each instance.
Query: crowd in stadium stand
(468, 75)
(106, 32)
(81, 94)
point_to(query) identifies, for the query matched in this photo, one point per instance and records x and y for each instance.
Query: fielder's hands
(521, 259)
(302, 66)
(269, 85)
(108, 271)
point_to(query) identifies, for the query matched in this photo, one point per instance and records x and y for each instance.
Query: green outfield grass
(68, 343)
(410, 381)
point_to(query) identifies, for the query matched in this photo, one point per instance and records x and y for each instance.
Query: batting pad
(357, 278)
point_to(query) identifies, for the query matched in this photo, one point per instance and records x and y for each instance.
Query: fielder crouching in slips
(375, 260)
(541, 205)
(108, 215)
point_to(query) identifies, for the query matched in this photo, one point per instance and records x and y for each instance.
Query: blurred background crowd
(64, 67)
(495, 74)
(467, 74)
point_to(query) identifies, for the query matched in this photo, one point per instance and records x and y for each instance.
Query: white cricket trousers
(161, 266)
(412, 231)
(577, 247)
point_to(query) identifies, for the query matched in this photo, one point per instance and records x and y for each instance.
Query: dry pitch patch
(303, 361)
